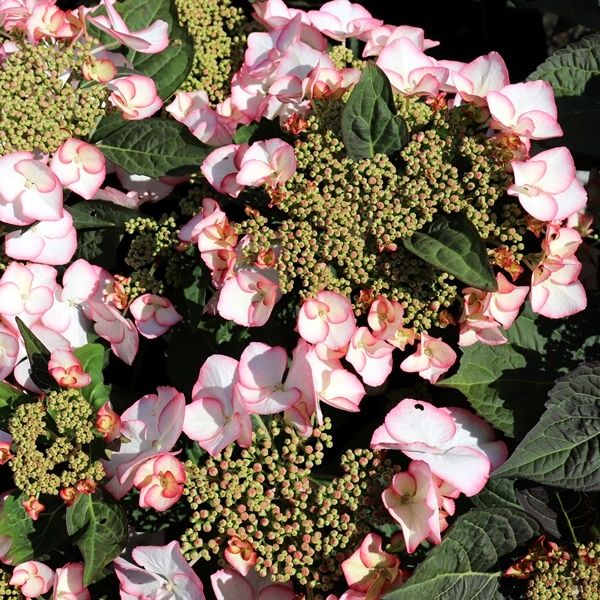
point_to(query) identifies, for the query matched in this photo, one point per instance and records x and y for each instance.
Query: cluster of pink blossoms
(285, 69)
(288, 67)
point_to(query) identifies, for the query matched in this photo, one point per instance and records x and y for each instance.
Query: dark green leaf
(84, 216)
(38, 356)
(563, 449)
(481, 368)
(369, 123)
(452, 244)
(535, 500)
(459, 567)
(19, 527)
(243, 133)
(8, 393)
(154, 147)
(498, 493)
(93, 358)
(569, 70)
(99, 246)
(100, 527)
(108, 124)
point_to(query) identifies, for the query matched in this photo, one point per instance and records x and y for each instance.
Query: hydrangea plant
(292, 307)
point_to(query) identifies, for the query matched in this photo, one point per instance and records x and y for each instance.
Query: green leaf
(85, 217)
(497, 493)
(93, 359)
(369, 123)
(18, 526)
(99, 245)
(568, 70)
(109, 123)
(169, 68)
(563, 449)
(154, 147)
(459, 567)
(8, 393)
(101, 530)
(243, 133)
(38, 356)
(452, 244)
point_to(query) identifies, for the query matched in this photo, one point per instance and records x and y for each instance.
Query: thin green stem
(569, 525)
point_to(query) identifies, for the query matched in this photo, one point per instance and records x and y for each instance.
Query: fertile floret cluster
(219, 31)
(562, 576)
(152, 254)
(300, 526)
(343, 221)
(8, 591)
(42, 102)
(50, 443)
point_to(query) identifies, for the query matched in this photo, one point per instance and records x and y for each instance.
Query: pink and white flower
(79, 167)
(221, 167)
(160, 480)
(476, 79)
(68, 584)
(217, 416)
(546, 185)
(33, 578)
(248, 297)
(111, 326)
(30, 190)
(154, 315)
(378, 38)
(371, 357)
(556, 291)
(410, 71)
(240, 555)
(269, 162)
(26, 291)
(228, 584)
(135, 96)
(66, 369)
(46, 242)
(412, 501)
(260, 380)
(370, 570)
(458, 446)
(526, 109)
(341, 19)
(431, 360)
(327, 318)
(163, 572)
(151, 426)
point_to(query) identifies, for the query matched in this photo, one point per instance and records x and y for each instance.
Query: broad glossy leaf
(100, 529)
(19, 527)
(38, 356)
(154, 147)
(497, 493)
(369, 122)
(93, 358)
(563, 449)
(459, 567)
(452, 244)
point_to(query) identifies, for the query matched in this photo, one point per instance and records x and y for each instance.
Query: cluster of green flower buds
(300, 526)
